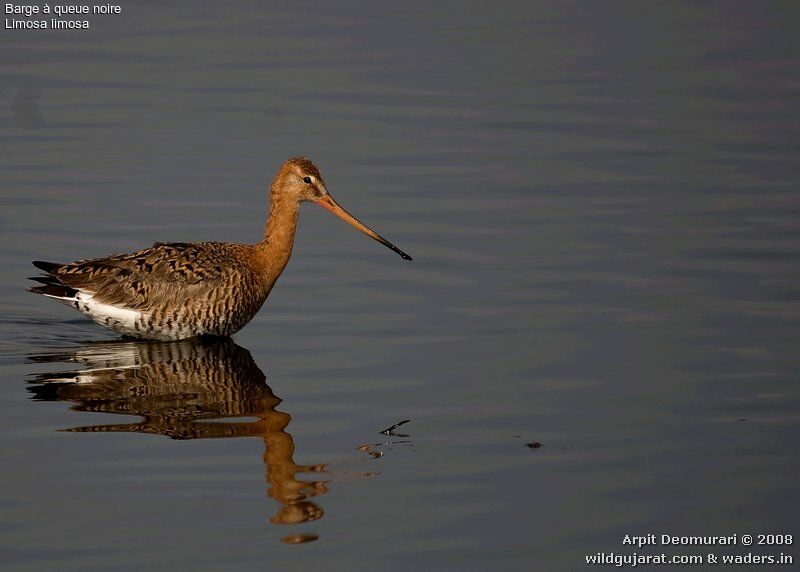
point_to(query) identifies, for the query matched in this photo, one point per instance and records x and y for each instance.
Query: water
(601, 202)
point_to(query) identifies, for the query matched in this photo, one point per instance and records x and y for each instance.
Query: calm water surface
(601, 200)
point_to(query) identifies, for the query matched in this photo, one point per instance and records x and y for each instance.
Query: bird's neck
(276, 248)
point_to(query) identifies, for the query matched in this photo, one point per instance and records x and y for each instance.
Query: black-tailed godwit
(177, 290)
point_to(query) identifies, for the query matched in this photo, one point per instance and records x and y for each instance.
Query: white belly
(128, 322)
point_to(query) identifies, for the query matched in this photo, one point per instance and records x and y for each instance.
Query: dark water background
(601, 199)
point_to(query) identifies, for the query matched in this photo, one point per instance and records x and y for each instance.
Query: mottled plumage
(168, 291)
(180, 290)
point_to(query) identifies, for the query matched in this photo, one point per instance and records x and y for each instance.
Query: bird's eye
(307, 180)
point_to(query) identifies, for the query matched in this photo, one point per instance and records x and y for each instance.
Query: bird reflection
(184, 390)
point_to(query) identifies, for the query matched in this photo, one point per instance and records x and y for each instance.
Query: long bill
(328, 202)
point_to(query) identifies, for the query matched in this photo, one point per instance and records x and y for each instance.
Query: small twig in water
(395, 426)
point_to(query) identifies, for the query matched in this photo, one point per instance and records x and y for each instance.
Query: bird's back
(168, 291)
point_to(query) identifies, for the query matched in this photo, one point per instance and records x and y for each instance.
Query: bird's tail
(52, 287)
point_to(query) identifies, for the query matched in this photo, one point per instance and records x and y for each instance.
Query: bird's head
(299, 179)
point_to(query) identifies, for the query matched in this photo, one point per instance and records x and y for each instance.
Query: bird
(181, 290)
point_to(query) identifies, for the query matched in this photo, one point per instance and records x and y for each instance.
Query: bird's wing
(164, 273)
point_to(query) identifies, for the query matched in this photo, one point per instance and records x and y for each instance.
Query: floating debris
(299, 538)
(533, 445)
(395, 426)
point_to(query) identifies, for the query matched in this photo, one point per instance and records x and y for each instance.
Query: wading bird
(178, 290)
